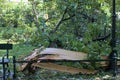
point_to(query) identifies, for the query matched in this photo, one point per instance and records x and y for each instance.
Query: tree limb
(101, 38)
(68, 17)
(50, 18)
(59, 22)
(91, 19)
(62, 19)
(35, 13)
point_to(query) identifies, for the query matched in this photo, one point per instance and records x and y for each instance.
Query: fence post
(14, 67)
(3, 63)
(113, 54)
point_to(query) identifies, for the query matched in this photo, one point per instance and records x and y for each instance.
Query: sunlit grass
(3, 40)
(19, 50)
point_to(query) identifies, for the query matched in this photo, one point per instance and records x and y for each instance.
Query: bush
(7, 33)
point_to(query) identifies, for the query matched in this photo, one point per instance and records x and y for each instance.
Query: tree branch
(62, 19)
(50, 18)
(68, 17)
(59, 22)
(35, 13)
(101, 38)
(91, 19)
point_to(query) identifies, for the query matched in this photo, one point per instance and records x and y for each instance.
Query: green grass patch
(21, 50)
(3, 40)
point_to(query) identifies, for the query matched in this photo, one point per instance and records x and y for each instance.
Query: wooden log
(24, 66)
(71, 70)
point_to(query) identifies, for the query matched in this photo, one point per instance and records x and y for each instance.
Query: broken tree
(54, 54)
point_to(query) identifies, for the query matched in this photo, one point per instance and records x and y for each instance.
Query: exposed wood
(60, 54)
(64, 54)
(54, 54)
(23, 66)
(35, 54)
(52, 66)
(104, 64)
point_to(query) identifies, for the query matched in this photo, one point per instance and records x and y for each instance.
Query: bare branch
(68, 17)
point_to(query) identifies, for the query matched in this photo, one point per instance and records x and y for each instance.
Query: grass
(19, 50)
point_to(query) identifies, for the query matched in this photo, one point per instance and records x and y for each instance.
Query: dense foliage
(80, 25)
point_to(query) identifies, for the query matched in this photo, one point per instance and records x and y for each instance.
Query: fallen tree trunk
(64, 54)
(53, 54)
(60, 54)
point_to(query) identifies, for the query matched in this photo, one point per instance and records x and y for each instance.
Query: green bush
(7, 33)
